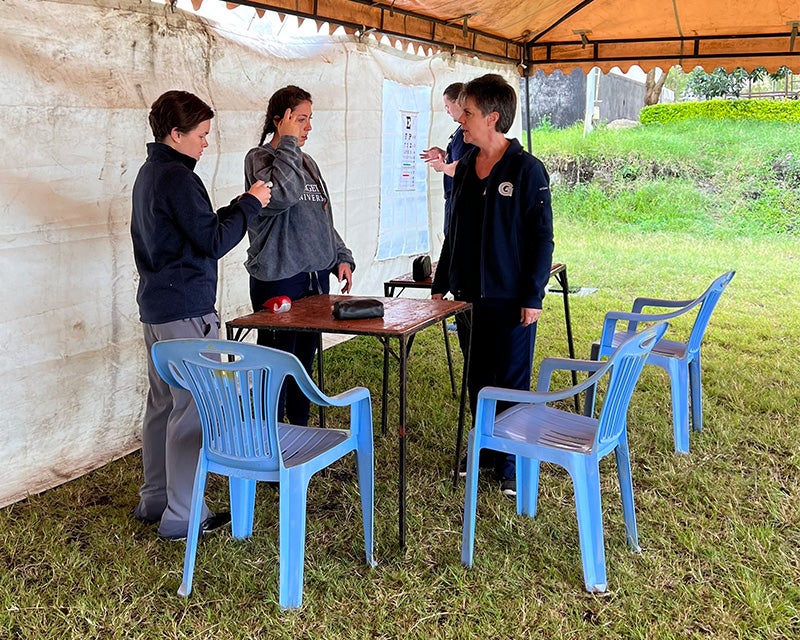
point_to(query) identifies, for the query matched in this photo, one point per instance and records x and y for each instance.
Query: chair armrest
(633, 318)
(549, 365)
(344, 399)
(641, 303)
(518, 396)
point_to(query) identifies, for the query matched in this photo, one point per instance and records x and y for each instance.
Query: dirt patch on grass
(573, 171)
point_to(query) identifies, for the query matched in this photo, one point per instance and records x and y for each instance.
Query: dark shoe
(147, 516)
(215, 522)
(462, 468)
(209, 525)
(147, 521)
(508, 487)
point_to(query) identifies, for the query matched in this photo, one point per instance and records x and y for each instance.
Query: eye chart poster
(404, 191)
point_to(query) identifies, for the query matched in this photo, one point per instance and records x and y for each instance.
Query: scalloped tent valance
(569, 34)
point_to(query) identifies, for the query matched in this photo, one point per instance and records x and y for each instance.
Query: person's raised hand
(261, 190)
(289, 126)
(434, 153)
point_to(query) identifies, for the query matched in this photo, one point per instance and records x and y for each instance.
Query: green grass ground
(719, 528)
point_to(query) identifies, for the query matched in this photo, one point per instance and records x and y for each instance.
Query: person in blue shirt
(445, 160)
(177, 240)
(498, 247)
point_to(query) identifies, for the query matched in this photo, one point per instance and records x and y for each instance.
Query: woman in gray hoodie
(294, 247)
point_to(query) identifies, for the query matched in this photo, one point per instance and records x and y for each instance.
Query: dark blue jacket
(456, 148)
(178, 238)
(517, 236)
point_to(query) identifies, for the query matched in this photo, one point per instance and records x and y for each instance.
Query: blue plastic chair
(681, 360)
(536, 432)
(242, 439)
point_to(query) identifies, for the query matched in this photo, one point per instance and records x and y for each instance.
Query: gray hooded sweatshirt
(294, 233)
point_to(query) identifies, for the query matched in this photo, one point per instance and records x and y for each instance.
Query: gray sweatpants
(171, 435)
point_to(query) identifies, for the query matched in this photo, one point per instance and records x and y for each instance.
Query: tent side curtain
(568, 34)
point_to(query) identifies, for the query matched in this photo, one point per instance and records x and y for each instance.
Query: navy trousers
(293, 406)
(501, 356)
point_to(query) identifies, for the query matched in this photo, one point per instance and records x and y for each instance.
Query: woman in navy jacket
(177, 240)
(498, 248)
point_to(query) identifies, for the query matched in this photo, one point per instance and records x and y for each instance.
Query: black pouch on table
(358, 309)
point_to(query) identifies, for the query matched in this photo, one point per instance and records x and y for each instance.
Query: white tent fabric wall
(76, 84)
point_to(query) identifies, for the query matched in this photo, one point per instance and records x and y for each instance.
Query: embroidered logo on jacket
(506, 189)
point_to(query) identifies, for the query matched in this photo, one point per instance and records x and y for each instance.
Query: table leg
(385, 388)
(563, 281)
(402, 436)
(238, 334)
(449, 357)
(462, 403)
(591, 393)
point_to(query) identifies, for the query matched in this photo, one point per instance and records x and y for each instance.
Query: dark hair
(179, 110)
(453, 90)
(492, 93)
(283, 99)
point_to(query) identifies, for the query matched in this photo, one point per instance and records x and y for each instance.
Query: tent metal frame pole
(528, 111)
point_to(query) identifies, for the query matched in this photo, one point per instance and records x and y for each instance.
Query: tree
(653, 87)
(720, 83)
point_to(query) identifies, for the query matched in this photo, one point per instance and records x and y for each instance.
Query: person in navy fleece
(498, 248)
(177, 240)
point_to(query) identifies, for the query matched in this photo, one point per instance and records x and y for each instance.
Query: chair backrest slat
(710, 298)
(626, 365)
(237, 401)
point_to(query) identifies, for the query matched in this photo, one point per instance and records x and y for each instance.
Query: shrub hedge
(775, 110)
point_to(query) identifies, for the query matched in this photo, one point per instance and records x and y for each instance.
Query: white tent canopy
(77, 82)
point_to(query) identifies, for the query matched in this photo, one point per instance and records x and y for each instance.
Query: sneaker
(508, 487)
(462, 468)
(210, 524)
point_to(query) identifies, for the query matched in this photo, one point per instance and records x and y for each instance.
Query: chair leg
(243, 502)
(586, 480)
(292, 538)
(470, 499)
(365, 465)
(696, 390)
(622, 455)
(679, 388)
(193, 532)
(527, 486)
